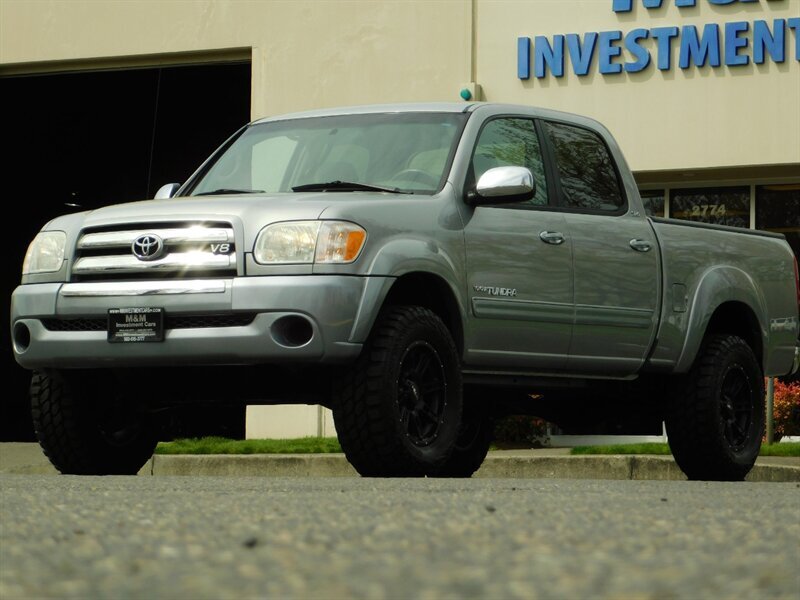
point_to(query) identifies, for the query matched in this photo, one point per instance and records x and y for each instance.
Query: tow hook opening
(292, 331)
(22, 337)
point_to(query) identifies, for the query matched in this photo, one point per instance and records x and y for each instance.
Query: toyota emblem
(148, 247)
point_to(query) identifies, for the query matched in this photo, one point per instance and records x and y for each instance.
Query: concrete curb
(250, 465)
(634, 467)
(28, 459)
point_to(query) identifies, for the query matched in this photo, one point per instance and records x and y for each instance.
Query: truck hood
(260, 208)
(248, 213)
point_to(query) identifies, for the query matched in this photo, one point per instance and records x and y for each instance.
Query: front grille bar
(144, 288)
(177, 235)
(187, 250)
(175, 261)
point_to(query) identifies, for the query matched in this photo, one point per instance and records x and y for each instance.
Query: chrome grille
(185, 250)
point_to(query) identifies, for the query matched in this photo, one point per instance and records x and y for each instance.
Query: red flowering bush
(786, 409)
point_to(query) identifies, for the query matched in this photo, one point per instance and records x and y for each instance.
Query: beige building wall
(309, 54)
(306, 54)
(288, 422)
(663, 120)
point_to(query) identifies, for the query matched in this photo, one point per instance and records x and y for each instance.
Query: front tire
(475, 436)
(715, 420)
(398, 410)
(83, 431)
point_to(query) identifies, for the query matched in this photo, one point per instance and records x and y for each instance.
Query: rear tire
(84, 433)
(398, 410)
(715, 419)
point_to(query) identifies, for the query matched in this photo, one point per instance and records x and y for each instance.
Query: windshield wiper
(221, 191)
(345, 186)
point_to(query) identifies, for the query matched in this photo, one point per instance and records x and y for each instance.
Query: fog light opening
(22, 337)
(292, 331)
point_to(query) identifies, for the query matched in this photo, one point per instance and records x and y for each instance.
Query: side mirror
(167, 191)
(502, 185)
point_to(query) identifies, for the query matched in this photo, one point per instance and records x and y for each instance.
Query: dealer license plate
(133, 325)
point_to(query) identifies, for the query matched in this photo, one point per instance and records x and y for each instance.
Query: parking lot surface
(234, 537)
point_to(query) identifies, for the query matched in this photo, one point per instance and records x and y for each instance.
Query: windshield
(394, 152)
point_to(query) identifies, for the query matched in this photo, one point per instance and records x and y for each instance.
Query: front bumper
(327, 306)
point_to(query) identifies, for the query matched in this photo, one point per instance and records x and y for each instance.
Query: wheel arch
(418, 288)
(726, 301)
(737, 318)
(434, 293)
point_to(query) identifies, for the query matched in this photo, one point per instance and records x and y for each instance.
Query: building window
(653, 201)
(778, 209)
(719, 206)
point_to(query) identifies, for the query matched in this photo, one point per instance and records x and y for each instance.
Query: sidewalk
(547, 463)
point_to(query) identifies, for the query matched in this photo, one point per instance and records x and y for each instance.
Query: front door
(519, 263)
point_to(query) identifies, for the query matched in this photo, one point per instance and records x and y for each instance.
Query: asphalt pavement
(198, 538)
(546, 463)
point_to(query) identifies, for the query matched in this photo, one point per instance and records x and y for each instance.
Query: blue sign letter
(664, 36)
(524, 57)
(581, 54)
(764, 39)
(627, 5)
(544, 55)
(733, 42)
(608, 51)
(641, 54)
(794, 23)
(699, 51)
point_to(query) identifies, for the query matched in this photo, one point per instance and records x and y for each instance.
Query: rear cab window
(586, 175)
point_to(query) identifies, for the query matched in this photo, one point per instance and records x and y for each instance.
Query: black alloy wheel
(421, 393)
(736, 407)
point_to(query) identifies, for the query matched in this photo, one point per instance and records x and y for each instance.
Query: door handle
(552, 237)
(641, 245)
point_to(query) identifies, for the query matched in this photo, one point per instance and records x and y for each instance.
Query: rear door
(614, 253)
(519, 261)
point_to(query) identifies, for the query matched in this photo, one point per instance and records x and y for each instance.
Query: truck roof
(446, 107)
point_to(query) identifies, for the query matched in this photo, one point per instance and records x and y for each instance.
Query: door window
(508, 142)
(585, 169)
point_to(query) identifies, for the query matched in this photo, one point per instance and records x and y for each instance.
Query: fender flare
(397, 258)
(717, 286)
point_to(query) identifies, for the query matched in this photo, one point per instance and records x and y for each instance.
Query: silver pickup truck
(418, 269)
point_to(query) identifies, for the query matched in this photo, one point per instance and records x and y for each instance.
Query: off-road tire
(474, 438)
(67, 425)
(393, 416)
(715, 415)
(471, 448)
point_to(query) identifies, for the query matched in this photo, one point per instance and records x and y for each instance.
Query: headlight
(46, 253)
(339, 242)
(306, 242)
